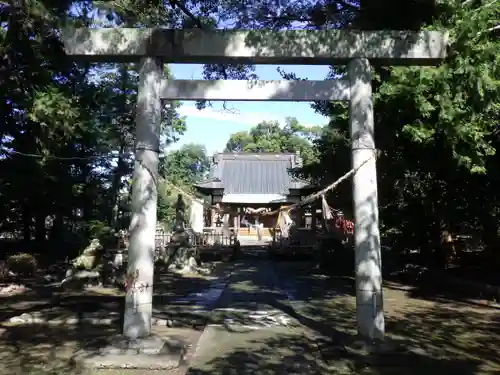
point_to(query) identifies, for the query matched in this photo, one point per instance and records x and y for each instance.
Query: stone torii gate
(356, 49)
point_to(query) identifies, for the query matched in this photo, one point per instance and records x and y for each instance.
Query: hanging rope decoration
(256, 211)
(130, 280)
(311, 198)
(346, 226)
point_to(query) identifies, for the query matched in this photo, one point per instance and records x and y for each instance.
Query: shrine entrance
(248, 185)
(356, 49)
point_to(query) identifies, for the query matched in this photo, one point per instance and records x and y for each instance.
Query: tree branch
(187, 12)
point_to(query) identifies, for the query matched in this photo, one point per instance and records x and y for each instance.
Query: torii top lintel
(312, 47)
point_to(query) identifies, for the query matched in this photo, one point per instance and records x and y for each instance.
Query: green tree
(65, 125)
(118, 87)
(181, 168)
(269, 136)
(40, 97)
(436, 128)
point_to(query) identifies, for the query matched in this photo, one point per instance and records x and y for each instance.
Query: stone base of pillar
(152, 353)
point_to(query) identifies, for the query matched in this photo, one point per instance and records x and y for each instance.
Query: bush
(104, 233)
(23, 264)
(335, 256)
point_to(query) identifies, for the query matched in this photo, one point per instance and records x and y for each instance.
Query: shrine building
(243, 183)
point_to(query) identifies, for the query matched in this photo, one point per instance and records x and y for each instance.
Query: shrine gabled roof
(254, 173)
(210, 183)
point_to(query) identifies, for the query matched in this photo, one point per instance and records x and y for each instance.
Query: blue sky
(213, 126)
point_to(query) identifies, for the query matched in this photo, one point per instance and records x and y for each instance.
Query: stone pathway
(251, 297)
(254, 319)
(249, 334)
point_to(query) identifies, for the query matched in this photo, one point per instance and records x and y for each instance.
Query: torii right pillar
(368, 264)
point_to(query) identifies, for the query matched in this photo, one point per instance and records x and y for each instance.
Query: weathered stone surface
(82, 278)
(152, 353)
(12, 289)
(257, 46)
(88, 257)
(239, 90)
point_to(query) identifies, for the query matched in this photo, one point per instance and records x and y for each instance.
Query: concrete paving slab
(274, 350)
(133, 361)
(249, 335)
(165, 349)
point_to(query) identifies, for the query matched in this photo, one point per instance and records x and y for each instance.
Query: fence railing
(211, 237)
(216, 237)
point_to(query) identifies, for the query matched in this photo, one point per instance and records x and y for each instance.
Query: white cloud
(231, 115)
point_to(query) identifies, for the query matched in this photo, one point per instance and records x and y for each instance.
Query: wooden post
(314, 224)
(238, 215)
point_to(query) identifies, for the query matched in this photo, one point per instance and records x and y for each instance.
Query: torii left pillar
(140, 270)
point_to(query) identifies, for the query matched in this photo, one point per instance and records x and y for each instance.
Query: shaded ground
(44, 349)
(435, 335)
(58, 303)
(427, 336)
(276, 318)
(50, 349)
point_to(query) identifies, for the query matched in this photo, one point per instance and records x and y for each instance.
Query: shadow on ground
(40, 349)
(428, 335)
(56, 303)
(286, 354)
(44, 349)
(425, 335)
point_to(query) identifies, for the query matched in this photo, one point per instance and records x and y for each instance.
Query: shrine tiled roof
(254, 173)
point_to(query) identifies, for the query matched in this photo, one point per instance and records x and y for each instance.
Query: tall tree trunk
(86, 202)
(26, 212)
(40, 232)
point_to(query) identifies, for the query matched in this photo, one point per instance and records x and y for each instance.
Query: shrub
(104, 233)
(23, 264)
